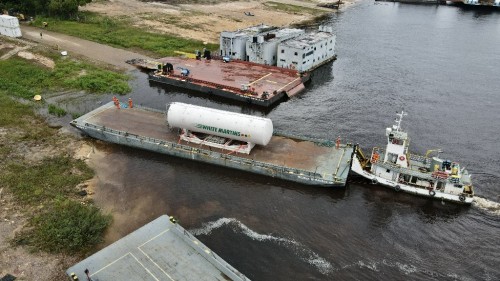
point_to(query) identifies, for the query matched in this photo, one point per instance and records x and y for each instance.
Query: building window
(303, 55)
(296, 53)
(282, 51)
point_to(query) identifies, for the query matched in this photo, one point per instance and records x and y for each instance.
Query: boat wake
(376, 265)
(404, 268)
(300, 250)
(489, 206)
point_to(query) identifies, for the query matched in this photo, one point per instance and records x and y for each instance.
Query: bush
(67, 227)
(57, 111)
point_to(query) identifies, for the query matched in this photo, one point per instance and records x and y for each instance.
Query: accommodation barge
(298, 159)
(253, 83)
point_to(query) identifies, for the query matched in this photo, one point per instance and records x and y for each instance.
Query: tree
(58, 8)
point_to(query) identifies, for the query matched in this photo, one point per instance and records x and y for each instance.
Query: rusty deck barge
(253, 83)
(304, 160)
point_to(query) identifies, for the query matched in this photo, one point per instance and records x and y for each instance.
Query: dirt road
(92, 50)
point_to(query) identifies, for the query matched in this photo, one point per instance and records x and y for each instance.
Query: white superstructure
(233, 43)
(395, 167)
(217, 128)
(263, 48)
(9, 26)
(307, 51)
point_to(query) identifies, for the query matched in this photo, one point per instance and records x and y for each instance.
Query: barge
(293, 158)
(253, 83)
(160, 250)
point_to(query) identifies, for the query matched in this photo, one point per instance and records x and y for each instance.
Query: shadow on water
(246, 107)
(205, 170)
(429, 210)
(479, 11)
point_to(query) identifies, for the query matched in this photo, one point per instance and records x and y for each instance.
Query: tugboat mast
(398, 121)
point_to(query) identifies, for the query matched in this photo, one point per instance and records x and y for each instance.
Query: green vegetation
(292, 9)
(119, 33)
(56, 110)
(23, 79)
(18, 116)
(67, 227)
(58, 220)
(58, 8)
(51, 179)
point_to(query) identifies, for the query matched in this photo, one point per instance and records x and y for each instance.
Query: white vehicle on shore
(396, 168)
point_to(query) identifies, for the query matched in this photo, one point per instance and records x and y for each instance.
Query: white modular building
(9, 26)
(233, 43)
(306, 52)
(496, 3)
(263, 48)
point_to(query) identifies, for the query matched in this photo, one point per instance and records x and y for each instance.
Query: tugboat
(397, 168)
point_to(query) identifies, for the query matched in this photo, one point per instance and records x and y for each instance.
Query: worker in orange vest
(116, 102)
(130, 104)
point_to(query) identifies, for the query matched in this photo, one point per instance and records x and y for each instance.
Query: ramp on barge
(238, 80)
(299, 159)
(160, 250)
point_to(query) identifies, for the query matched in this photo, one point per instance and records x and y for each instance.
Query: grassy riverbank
(118, 32)
(25, 79)
(58, 219)
(37, 169)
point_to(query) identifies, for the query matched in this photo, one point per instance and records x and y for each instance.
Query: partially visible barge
(160, 250)
(249, 82)
(298, 159)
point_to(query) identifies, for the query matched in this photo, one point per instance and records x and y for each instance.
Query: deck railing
(275, 169)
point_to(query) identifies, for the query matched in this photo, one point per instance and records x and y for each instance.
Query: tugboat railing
(405, 171)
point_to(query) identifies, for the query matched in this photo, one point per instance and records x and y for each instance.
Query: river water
(441, 64)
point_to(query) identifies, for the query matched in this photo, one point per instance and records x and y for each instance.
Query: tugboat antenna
(398, 121)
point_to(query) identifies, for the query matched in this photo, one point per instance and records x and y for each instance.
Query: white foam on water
(300, 250)
(370, 265)
(321, 264)
(375, 266)
(489, 206)
(406, 268)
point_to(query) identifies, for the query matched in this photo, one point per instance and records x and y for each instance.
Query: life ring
(402, 158)
(397, 188)
(432, 193)
(374, 181)
(461, 197)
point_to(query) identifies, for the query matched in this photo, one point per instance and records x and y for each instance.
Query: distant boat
(396, 168)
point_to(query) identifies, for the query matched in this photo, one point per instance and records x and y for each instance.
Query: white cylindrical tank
(227, 124)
